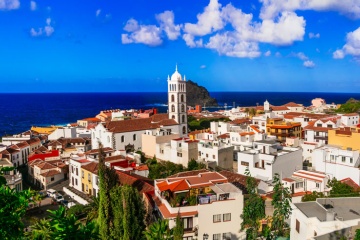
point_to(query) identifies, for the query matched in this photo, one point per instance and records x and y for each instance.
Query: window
(172, 98)
(226, 217)
(179, 154)
(77, 172)
(244, 163)
(217, 218)
(184, 130)
(52, 179)
(182, 108)
(227, 236)
(343, 158)
(183, 118)
(329, 126)
(187, 238)
(86, 187)
(134, 137)
(76, 182)
(82, 174)
(188, 223)
(217, 236)
(297, 226)
(173, 108)
(182, 97)
(319, 125)
(207, 155)
(199, 153)
(299, 185)
(89, 177)
(122, 138)
(317, 185)
(351, 160)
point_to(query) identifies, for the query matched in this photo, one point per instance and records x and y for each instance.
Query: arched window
(184, 130)
(183, 118)
(122, 138)
(173, 108)
(173, 116)
(182, 97)
(182, 108)
(134, 137)
(172, 98)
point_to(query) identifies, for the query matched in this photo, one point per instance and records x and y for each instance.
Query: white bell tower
(177, 101)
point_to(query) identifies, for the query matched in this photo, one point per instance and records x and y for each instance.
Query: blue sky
(117, 46)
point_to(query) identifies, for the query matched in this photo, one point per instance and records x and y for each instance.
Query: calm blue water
(19, 111)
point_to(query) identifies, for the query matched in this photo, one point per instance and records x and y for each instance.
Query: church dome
(176, 76)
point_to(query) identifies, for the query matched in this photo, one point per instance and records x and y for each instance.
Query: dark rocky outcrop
(198, 95)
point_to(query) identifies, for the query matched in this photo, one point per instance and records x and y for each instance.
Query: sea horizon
(20, 111)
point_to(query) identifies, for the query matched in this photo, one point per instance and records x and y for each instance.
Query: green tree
(194, 165)
(178, 230)
(282, 209)
(13, 207)
(357, 234)
(129, 213)
(61, 227)
(252, 112)
(158, 231)
(254, 208)
(312, 196)
(107, 180)
(339, 189)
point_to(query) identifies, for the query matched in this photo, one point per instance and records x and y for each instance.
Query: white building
(317, 131)
(63, 132)
(207, 203)
(13, 180)
(325, 215)
(127, 134)
(75, 177)
(337, 163)
(17, 138)
(268, 157)
(350, 119)
(216, 153)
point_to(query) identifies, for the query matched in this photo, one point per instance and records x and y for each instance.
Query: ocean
(20, 111)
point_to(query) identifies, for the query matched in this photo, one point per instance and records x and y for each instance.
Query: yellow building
(44, 130)
(281, 129)
(347, 137)
(88, 176)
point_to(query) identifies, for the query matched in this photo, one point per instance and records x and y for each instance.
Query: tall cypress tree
(128, 213)
(107, 180)
(178, 230)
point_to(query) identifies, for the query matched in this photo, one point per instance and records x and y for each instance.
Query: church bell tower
(177, 101)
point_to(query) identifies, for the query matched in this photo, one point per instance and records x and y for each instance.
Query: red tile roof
(351, 183)
(96, 151)
(166, 214)
(131, 125)
(91, 167)
(50, 173)
(43, 156)
(140, 183)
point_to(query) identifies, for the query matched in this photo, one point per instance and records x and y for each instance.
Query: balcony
(321, 137)
(13, 179)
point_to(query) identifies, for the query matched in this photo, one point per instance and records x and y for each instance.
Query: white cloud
(146, 34)
(166, 20)
(9, 4)
(228, 44)
(309, 64)
(47, 31)
(271, 8)
(35, 33)
(283, 31)
(131, 25)
(203, 66)
(267, 53)
(338, 54)
(208, 21)
(97, 13)
(277, 54)
(352, 46)
(190, 41)
(314, 35)
(301, 56)
(33, 5)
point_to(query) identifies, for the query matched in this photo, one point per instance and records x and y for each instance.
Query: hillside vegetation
(352, 105)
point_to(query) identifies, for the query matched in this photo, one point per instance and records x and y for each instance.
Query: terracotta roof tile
(91, 167)
(140, 183)
(50, 173)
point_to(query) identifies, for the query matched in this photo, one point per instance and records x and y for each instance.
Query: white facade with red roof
(337, 162)
(350, 119)
(207, 203)
(75, 164)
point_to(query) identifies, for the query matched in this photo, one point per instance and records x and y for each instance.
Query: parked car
(58, 197)
(51, 192)
(67, 204)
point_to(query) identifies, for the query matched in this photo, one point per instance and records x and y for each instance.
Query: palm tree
(158, 231)
(252, 112)
(92, 209)
(41, 230)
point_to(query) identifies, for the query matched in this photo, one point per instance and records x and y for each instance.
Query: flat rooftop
(344, 208)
